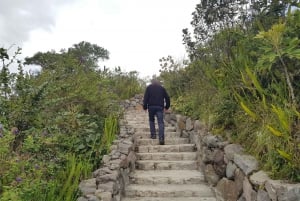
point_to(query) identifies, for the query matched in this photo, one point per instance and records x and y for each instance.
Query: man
(156, 100)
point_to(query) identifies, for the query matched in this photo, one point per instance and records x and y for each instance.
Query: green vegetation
(242, 81)
(243, 78)
(58, 122)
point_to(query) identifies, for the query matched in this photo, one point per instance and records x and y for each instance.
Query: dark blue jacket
(156, 95)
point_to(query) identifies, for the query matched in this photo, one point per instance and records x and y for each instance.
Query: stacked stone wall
(109, 181)
(234, 174)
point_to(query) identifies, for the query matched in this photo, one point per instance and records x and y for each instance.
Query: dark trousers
(158, 112)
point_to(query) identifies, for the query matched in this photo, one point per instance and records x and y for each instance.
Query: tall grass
(110, 131)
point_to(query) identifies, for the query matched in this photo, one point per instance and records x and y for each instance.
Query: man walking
(156, 100)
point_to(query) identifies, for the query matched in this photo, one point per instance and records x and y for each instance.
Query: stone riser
(166, 177)
(168, 141)
(147, 129)
(170, 199)
(167, 156)
(166, 148)
(166, 165)
(168, 191)
(146, 135)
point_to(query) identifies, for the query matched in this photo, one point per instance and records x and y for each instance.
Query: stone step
(144, 128)
(170, 134)
(166, 148)
(170, 199)
(169, 190)
(166, 177)
(166, 165)
(167, 156)
(168, 141)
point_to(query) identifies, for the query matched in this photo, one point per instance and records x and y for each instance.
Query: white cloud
(135, 32)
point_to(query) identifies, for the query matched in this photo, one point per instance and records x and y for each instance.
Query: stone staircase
(164, 172)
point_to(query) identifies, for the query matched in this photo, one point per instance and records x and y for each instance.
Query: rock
(230, 169)
(108, 187)
(271, 187)
(102, 171)
(211, 141)
(189, 124)
(92, 198)
(105, 159)
(185, 134)
(247, 163)
(181, 123)
(232, 149)
(125, 147)
(259, 178)
(262, 196)
(239, 178)
(289, 192)
(104, 196)
(107, 178)
(226, 190)
(209, 155)
(219, 164)
(248, 191)
(82, 199)
(210, 175)
(197, 125)
(87, 187)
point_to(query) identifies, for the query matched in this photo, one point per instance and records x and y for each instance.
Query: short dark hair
(155, 81)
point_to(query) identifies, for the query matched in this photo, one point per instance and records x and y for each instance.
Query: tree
(212, 16)
(83, 54)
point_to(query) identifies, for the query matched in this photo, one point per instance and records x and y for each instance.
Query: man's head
(155, 81)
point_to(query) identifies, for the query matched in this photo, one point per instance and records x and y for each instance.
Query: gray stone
(185, 134)
(88, 186)
(232, 149)
(197, 125)
(271, 187)
(242, 198)
(129, 161)
(210, 175)
(180, 122)
(248, 191)
(247, 163)
(167, 117)
(104, 195)
(209, 155)
(230, 169)
(262, 196)
(259, 178)
(226, 190)
(173, 117)
(108, 177)
(219, 164)
(115, 154)
(211, 141)
(105, 159)
(82, 199)
(102, 171)
(108, 187)
(239, 177)
(92, 198)
(189, 124)
(289, 192)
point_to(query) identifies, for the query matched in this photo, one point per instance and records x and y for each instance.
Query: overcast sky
(137, 33)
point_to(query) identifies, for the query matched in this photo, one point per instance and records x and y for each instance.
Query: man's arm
(146, 97)
(167, 99)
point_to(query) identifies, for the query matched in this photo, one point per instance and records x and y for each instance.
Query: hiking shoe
(162, 142)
